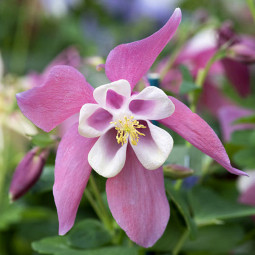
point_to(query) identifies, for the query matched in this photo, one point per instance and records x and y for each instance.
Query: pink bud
(177, 171)
(243, 53)
(27, 172)
(226, 34)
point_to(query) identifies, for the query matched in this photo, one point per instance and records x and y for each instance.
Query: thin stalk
(181, 242)
(95, 206)
(203, 73)
(251, 5)
(100, 202)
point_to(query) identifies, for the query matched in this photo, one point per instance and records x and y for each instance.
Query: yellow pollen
(128, 127)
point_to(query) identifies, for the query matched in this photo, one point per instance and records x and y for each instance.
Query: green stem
(178, 184)
(251, 5)
(181, 242)
(100, 203)
(94, 204)
(203, 73)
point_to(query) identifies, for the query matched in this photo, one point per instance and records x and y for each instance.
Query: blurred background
(38, 34)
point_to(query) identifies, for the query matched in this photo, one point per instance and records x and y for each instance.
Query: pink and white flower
(116, 138)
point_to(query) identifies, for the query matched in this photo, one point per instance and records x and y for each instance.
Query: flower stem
(251, 5)
(203, 73)
(100, 204)
(180, 243)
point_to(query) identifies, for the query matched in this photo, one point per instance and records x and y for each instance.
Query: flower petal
(238, 74)
(107, 157)
(94, 120)
(153, 149)
(113, 94)
(131, 61)
(138, 202)
(152, 103)
(229, 114)
(72, 172)
(196, 131)
(62, 95)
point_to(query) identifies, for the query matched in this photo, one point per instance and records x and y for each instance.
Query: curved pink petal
(229, 114)
(61, 96)
(196, 131)
(72, 172)
(138, 202)
(132, 60)
(238, 74)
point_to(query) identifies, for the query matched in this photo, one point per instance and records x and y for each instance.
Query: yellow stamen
(128, 127)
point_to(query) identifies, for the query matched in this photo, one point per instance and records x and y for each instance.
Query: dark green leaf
(89, 233)
(51, 245)
(46, 180)
(210, 208)
(215, 239)
(102, 251)
(179, 198)
(245, 158)
(188, 84)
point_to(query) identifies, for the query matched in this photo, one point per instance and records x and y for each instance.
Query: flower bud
(177, 171)
(226, 34)
(27, 172)
(243, 53)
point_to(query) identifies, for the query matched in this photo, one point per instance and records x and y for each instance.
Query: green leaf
(172, 234)
(51, 245)
(178, 155)
(46, 180)
(42, 140)
(117, 250)
(10, 214)
(179, 198)
(245, 158)
(243, 137)
(210, 208)
(89, 233)
(245, 120)
(188, 84)
(215, 239)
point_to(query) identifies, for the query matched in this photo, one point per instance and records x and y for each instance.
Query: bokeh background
(208, 215)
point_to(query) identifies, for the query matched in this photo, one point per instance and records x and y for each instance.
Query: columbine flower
(136, 195)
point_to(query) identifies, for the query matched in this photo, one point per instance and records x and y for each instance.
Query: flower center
(128, 127)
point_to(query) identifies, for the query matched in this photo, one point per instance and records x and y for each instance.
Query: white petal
(94, 120)
(121, 87)
(151, 103)
(107, 157)
(153, 149)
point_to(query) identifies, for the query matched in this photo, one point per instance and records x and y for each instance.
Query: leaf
(116, 250)
(89, 233)
(179, 198)
(215, 239)
(42, 140)
(245, 120)
(188, 84)
(46, 181)
(245, 158)
(172, 234)
(10, 215)
(51, 245)
(210, 208)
